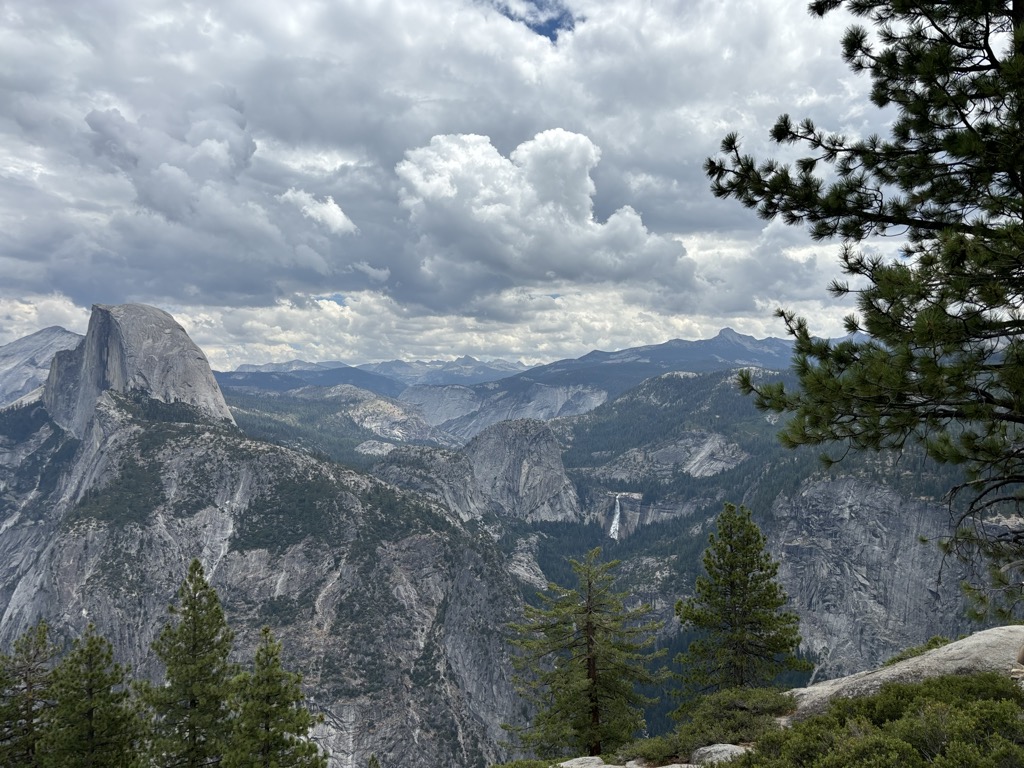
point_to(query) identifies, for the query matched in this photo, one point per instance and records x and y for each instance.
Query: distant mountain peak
(25, 362)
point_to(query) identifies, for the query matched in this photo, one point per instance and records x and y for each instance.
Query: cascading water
(613, 532)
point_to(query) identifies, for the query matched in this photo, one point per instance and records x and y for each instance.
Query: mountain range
(389, 536)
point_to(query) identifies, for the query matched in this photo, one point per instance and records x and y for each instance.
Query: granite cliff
(386, 604)
(648, 472)
(130, 348)
(464, 412)
(511, 471)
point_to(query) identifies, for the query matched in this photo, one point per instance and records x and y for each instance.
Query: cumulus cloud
(473, 168)
(484, 222)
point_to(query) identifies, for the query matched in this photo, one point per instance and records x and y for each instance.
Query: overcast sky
(373, 179)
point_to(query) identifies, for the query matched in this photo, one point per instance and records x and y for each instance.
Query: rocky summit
(130, 348)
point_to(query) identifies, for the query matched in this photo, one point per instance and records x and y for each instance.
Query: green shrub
(996, 753)
(801, 745)
(895, 700)
(972, 721)
(659, 750)
(730, 716)
(916, 650)
(873, 750)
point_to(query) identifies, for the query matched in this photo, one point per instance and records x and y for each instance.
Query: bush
(959, 721)
(730, 716)
(896, 700)
(659, 750)
(873, 750)
(916, 650)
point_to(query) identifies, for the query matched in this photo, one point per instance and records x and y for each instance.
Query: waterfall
(613, 532)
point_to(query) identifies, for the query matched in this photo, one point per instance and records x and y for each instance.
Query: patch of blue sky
(547, 18)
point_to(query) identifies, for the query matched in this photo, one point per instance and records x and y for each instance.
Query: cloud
(24, 316)
(483, 223)
(488, 163)
(532, 327)
(326, 212)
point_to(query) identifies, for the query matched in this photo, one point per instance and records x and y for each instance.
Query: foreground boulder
(991, 650)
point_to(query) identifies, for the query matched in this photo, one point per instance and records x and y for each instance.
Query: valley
(389, 528)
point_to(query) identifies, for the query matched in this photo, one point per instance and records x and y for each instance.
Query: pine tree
(93, 722)
(373, 762)
(191, 713)
(582, 656)
(271, 726)
(27, 675)
(737, 604)
(945, 361)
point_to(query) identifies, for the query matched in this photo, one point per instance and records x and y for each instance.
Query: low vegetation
(728, 716)
(946, 722)
(975, 721)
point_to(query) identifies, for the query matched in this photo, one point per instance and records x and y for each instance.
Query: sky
(365, 180)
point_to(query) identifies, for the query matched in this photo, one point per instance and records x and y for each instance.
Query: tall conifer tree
(747, 639)
(93, 722)
(583, 654)
(27, 674)
(271, 725)
(944, 364)
(191, 711)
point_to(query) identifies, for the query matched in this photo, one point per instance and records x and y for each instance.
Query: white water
(613, 532)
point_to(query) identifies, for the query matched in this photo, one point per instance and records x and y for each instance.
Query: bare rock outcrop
(991, 650)
(853, 564)
(511, 470)
(696, 453)
(466, 411)
(128, 348)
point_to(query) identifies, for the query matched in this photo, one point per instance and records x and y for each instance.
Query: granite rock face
(466, 411)
(850, 559)
(511, 470)
(130, 348)
(698, 454)
(387, 418)
(855, 569)
(25, 363)
(717, 753)
(390, 609)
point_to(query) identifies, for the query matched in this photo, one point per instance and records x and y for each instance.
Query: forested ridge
(75, 705)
